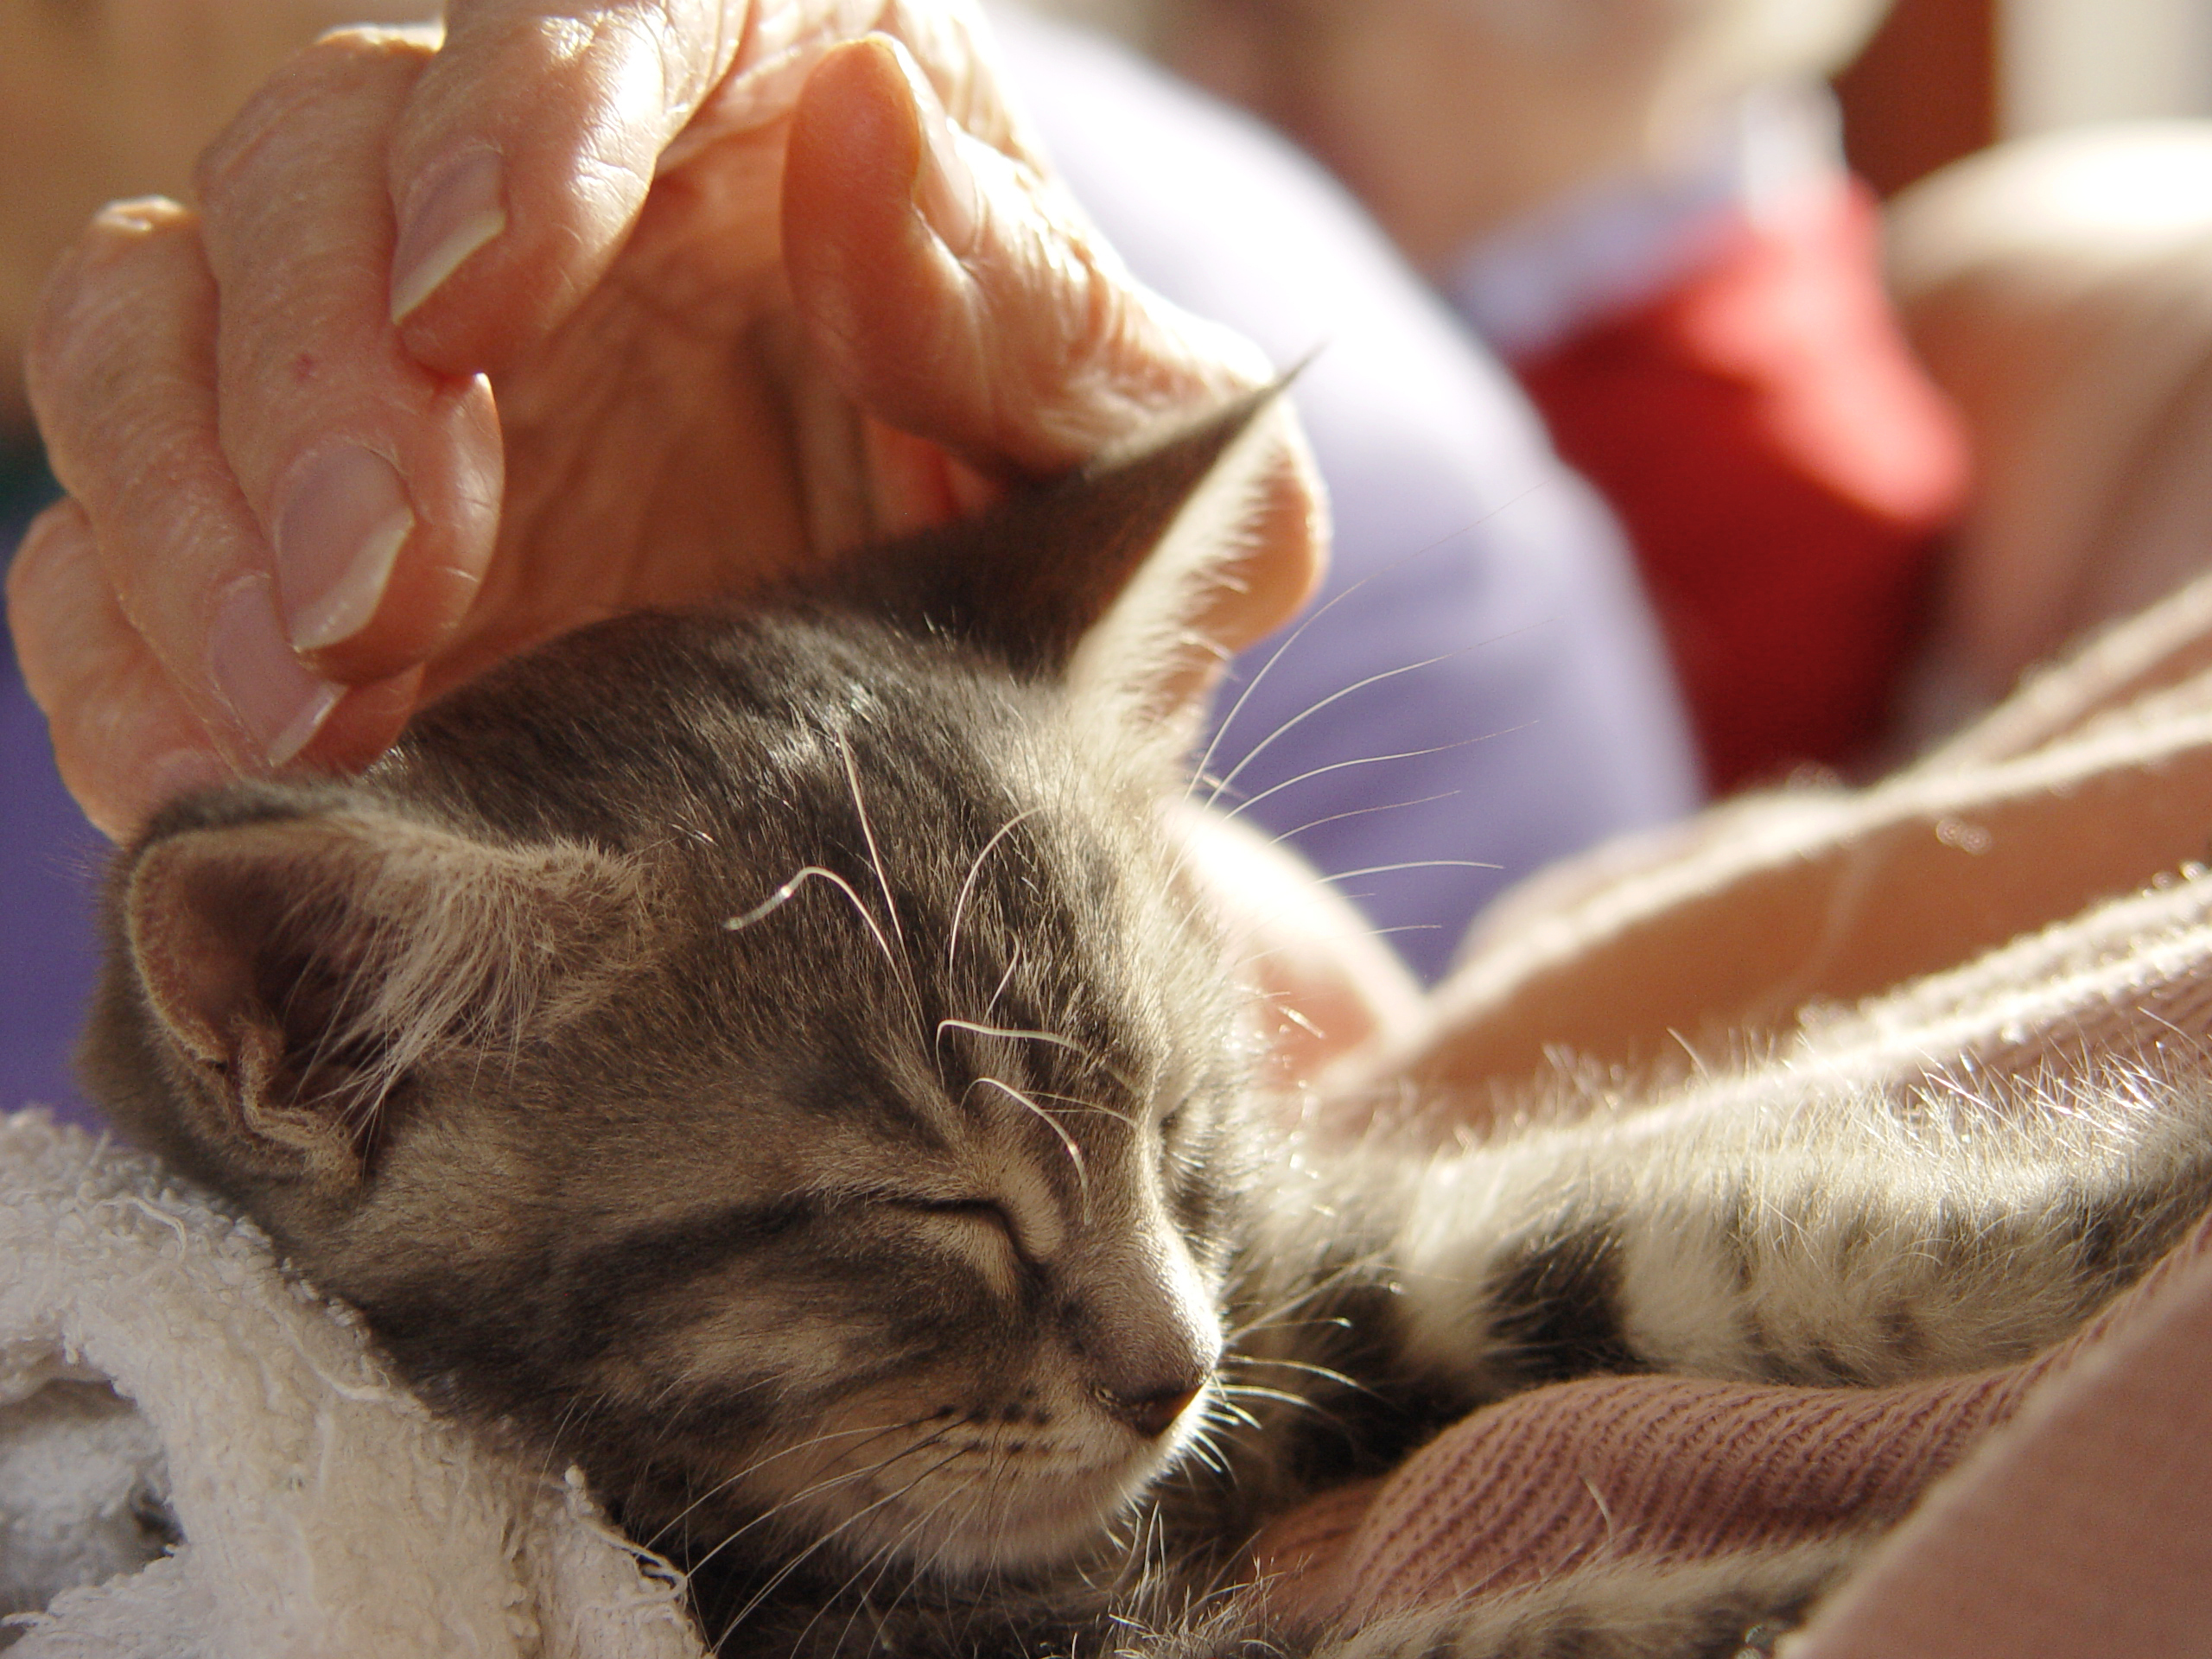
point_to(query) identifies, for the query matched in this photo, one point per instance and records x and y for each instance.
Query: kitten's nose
(1153, 1414)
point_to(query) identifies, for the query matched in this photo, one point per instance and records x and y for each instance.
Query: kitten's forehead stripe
(647, 1258)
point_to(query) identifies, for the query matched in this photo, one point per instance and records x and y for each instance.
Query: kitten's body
(775, 1061)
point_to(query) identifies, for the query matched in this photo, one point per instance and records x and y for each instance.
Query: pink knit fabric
(2082, 1531)
(1660, 1469)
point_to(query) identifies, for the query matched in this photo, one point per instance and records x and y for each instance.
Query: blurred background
(1942, 78)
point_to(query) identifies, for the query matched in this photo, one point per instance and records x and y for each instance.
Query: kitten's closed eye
(985, 1219)
(981, 1230)
(987, 1211)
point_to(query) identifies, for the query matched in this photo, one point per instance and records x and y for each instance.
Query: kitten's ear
(298, 969)
(1100, 577)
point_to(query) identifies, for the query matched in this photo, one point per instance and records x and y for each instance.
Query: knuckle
(27, 569)
(945, 37)
(403, 42)
(696, 44)
(58, 541)
(84, 311)
(342, 65)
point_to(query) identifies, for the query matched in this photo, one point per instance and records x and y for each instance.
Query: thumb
(525, 154)
(957, 293)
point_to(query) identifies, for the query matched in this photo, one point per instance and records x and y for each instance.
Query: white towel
(201, 1459)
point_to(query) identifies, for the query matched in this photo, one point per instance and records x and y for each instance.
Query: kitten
(774, 1059)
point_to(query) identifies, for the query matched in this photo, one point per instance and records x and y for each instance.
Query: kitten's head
(769, 1058)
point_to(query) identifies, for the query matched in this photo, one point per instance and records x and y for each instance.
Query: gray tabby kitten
(774, 1060)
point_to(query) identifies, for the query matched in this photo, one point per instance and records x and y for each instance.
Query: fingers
(526, 155)
(122, 373)
(124, 736)
(522, 164)
(957, 295)
(376, 481)
(147, 601)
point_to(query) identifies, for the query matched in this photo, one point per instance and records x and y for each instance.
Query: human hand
(680, 307)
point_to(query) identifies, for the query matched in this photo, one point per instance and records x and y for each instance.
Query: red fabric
(1785, 469)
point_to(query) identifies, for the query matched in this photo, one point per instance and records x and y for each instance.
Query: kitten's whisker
(1203, 1450)
(1275, 656)
(1369, 761)
(926, 1443)
(776, 1580)
(1076, 1103)
(1013, 1035)
(671, 1422)
(589, 1405)
(1251, 957)
(1013, 960)
(1363, 811)
(782, 895)
(1254, 1391)
(1067, 1141)
(1310, 1369)
(759, 1464)
(1335, 600)
(1321, 1286)
(960, 904)
(868, 834)
(1313, 709)
(1231, 1409)
(887, 1553)
(1283, 1397)
(690, 832)
(1416, 864)
(828, 1483)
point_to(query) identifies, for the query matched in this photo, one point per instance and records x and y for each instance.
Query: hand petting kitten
(468, 342)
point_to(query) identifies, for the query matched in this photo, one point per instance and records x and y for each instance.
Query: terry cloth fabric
(200, 1458)
(1785, 469)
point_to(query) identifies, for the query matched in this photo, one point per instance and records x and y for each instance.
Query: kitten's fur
(774, 1060)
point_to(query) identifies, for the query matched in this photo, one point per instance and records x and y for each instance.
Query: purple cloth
(1547, 717)
(49, 860)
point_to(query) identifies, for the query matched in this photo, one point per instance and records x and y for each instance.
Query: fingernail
(448, 220)
(337, 533)
(277, 704)
(944, 185)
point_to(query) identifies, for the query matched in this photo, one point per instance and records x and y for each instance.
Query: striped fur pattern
(772, 1060)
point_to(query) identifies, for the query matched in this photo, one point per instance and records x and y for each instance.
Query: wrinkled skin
(762, 285)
